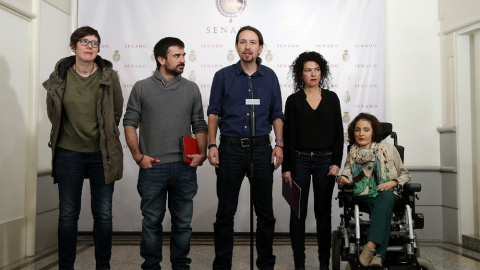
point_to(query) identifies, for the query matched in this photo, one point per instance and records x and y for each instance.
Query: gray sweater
(164, 113)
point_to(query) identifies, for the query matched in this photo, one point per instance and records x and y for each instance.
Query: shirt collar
(239, 69)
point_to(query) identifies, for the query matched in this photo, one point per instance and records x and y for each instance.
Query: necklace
(93, 68)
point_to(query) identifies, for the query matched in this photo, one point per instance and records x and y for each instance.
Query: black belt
(313, 153)
(246, 142)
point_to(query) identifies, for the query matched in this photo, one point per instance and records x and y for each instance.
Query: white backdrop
(350, 34)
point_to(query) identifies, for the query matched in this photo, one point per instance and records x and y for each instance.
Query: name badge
(252, 101)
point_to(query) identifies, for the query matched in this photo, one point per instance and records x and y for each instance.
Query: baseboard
(12, 241)
(471, 241)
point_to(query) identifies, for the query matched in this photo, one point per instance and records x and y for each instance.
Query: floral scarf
(380, 173)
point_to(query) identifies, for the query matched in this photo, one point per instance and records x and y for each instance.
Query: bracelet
(276, 145)
(141, 159)
(212, 145)
(279, 138)
(397, 187)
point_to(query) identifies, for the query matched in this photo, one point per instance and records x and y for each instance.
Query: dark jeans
(381, 213)
(317, 168)
(234, 161)
(178, 182)
(70, 168)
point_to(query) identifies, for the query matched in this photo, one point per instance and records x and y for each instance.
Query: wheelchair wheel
(335, 251)
(424, 264)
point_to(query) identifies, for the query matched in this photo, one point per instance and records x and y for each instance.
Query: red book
(189, 147)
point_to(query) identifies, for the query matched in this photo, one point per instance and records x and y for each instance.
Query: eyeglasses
(85, 42)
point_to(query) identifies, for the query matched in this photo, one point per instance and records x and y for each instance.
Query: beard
(248, 59)
(176, 70)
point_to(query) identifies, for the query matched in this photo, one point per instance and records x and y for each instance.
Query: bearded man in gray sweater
(165, 107)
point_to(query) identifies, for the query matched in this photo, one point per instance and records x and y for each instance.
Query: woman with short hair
(378, 173)
(84, 105)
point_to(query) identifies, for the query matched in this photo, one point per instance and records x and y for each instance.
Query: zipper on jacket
(104, 130)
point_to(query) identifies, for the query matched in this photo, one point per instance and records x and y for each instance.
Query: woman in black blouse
(313, 134)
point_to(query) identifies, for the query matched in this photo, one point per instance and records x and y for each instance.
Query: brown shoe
(366, 256)
(376, 262)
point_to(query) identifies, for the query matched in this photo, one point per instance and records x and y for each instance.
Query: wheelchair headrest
(387, 129)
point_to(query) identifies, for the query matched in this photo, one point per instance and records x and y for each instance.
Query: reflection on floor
(125, 255)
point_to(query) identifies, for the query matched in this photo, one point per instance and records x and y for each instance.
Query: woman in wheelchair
(378, 173)
(313, 132)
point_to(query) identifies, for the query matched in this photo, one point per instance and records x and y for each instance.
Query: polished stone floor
(125, 255)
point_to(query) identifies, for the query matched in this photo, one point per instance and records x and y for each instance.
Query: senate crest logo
(346, 56)
(231, 8)
(192, 77)
(346, 118)
(269, 56)
(230, 56)
(192, 57)
(116, 56)
(346, 97)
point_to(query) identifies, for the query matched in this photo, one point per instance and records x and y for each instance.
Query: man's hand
(197, 160)
(213, 157)
(277, 154)
(147, 162)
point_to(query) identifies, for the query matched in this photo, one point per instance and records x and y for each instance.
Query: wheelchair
(351, 235)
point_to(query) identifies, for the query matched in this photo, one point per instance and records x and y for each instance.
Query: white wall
(21, 72)
(14, 113)
(458, 21)
(414, 100)
(55, 30)
(413, 78)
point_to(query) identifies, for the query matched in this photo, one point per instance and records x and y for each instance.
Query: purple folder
(292, 195)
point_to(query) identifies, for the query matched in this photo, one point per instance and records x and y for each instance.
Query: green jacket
(109, 112)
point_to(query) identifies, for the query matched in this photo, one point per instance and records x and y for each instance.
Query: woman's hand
(287, 177)
(387, 186)
(333, 170)
(342, 180)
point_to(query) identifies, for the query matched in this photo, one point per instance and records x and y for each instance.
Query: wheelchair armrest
(347, 188)
(412, 187)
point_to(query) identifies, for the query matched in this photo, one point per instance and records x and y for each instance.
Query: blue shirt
(230, 89)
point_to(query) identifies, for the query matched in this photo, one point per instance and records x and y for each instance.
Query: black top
(309, 129)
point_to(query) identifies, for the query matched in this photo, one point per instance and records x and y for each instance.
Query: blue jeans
(234, 161)
(179, 181)
(317, 168)
(70, 168)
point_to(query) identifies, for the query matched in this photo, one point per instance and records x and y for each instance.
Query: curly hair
(377, 135)
(296, 69)
(81, 33)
